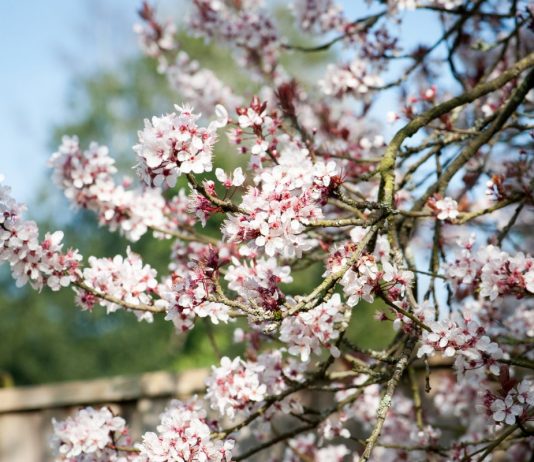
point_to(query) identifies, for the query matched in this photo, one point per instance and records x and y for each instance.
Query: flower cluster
(185, 293)
(235, 386)
(306, 446)
(154, 38)
(515, 403)
(257, 129)
(399, 427)
(288, 197)
(90, 435)
(120, 279)
(174, 144)
(512, 178)
(246, 26)
(197, 84)
(355, 77)
(369, 276)
(194, 83)
(184, 297)
(318, 15)
(87, 180)
(465, 339)
(238, 388)
(39, 263)
(310, 331)
(184, 434)
(492, 271)
(258, 281)
(520, 323)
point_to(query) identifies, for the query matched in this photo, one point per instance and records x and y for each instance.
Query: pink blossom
(39, 263)
(235, 386)
(125, 279)
(236, 179)
(91, 433)
(447, 209)
(311, 331)
(184, 434)
(174, 144)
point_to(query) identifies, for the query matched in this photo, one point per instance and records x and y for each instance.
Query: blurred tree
(109, 106)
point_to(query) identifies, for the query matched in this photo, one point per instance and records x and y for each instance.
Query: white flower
(505, 410)
(87, 435)
(174, 144)
(237, 178)
(222, 117)
(126, 279)
(529, 280)
(250, 118)
(447, 209)
(259, 148)
(310, 331)
(184, 434)
(392, 117)
(234, 386)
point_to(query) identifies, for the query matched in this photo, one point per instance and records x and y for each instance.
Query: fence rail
(26, 412)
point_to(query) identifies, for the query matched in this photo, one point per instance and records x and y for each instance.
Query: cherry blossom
(367, 277)
(514, 403)
(355, 77)
(185, 296)
(320, 15)
(465, 339)
(247, 27)
(328, 208)
(237, 178)
(153, 37)
(39, 263)
(311, 331)
(174, 144)
(234, 386)
(184, 434)
(196, 84)
(286, 198)
(87, 180)
(505, 410)
(125, 279)
(493, 271)
(447, 209)
(90, 435)
(258, 281)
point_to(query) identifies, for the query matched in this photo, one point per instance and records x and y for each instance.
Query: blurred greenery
(45, 337)
(367, 332)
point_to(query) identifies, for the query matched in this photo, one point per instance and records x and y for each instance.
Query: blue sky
(45, 44)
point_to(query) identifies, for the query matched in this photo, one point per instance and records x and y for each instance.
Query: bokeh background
(73, 67)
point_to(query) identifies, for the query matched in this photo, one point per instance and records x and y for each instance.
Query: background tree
(108, 105)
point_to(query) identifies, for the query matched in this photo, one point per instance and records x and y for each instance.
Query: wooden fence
(26, 412)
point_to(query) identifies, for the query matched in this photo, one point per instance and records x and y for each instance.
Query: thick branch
(385, 402)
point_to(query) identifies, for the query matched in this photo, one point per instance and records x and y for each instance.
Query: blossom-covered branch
(420, 211)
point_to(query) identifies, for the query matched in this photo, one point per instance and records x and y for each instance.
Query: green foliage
(367, 332)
